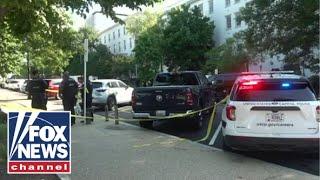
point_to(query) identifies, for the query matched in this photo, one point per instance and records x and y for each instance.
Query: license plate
(275, 117)
(160, 113)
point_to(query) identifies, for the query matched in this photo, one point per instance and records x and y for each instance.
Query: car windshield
(176, 79)
(274, 91)
(96, 85)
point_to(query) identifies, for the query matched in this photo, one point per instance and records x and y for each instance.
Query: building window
(236, 1)
(130, 43)
(124, 45)
(228, 3)
(237, 19)
(105, 41)
(200, 6)
(114, 48)
(118, 32)
(124, 30)
(119, 46)
(114, 35)
(109, 37)
(228, 21)
(210, 6)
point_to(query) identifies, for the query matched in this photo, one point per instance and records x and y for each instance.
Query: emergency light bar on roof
(267, 72)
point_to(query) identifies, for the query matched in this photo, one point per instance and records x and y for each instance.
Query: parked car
(14, 84)
(271, 111)
(222, 84)
(110, 92)
(173, 93)
(23, 87)
(54, 86)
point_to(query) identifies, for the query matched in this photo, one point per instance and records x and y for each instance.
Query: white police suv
(271, 111)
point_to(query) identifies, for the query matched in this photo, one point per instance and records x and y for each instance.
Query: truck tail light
(189, 97)
(318, 113)
(231, 113)
(133, 99)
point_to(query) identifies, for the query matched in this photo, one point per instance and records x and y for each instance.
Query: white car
(271, 111)
(110, 91)
(15, 84)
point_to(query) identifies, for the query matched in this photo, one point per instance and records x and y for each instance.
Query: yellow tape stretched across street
(50, 90)
(6, 107)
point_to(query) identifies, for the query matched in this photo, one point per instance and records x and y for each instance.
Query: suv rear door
(275, 106)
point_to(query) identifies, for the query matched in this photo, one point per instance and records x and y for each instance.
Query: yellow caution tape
(211, 120)
(50, 90)
(6, 107)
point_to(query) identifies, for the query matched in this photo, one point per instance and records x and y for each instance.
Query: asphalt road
(183, 129)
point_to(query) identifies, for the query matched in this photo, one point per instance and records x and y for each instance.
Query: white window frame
(227, 24)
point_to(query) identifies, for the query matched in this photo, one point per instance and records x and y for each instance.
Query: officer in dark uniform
(67, 91)
(88, 91)
(37, 89)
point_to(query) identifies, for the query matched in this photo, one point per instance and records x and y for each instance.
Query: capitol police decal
(39, 143)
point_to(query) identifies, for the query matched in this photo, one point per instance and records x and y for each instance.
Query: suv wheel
(110, 103)
(146, 124)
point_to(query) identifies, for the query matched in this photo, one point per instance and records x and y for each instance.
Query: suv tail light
(318, 113)
(231, 113)
(189, 97)
(133, 99)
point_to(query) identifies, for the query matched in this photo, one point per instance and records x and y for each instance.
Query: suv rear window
(274, 91)
(168, 79)
(96, 85)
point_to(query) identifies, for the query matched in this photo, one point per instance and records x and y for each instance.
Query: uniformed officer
(88, 91)
(37, 89)
(67, 91)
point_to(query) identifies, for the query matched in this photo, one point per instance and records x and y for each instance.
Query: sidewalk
(107, 151)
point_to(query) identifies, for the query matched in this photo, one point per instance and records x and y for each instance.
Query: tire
(198, 120)
(57, 97)
(225, 147)
(111, 102)
(146, 124)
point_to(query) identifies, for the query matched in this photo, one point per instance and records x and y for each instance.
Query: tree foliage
(11, 56)
(149, 53)
(289, 27)
(187, 36)
(45, 15)
(141, 22)
(231, 56)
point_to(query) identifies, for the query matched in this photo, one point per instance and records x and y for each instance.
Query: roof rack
(267, 72)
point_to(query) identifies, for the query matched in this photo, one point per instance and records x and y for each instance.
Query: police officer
(37, 89)
(67, 91)
(88, 91)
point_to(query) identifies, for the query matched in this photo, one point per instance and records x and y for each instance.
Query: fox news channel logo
(39, 143)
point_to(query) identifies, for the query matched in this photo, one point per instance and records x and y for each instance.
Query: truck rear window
(168, 79)
(96, 85)
(274, 91)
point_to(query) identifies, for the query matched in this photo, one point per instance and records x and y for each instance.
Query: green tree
(29, 16)
(149, 53)
(187, 36)
(141, 22)
(122, 67)
(228, 57)
(11, 55)
(289, 27)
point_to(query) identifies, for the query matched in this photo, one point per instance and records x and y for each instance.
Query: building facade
(222, 12)
(117, 40)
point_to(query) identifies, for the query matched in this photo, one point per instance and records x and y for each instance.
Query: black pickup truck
(173, 93)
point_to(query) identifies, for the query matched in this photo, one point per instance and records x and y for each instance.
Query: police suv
(271, 111)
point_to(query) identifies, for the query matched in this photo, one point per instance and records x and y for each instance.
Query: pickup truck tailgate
(170, 98)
